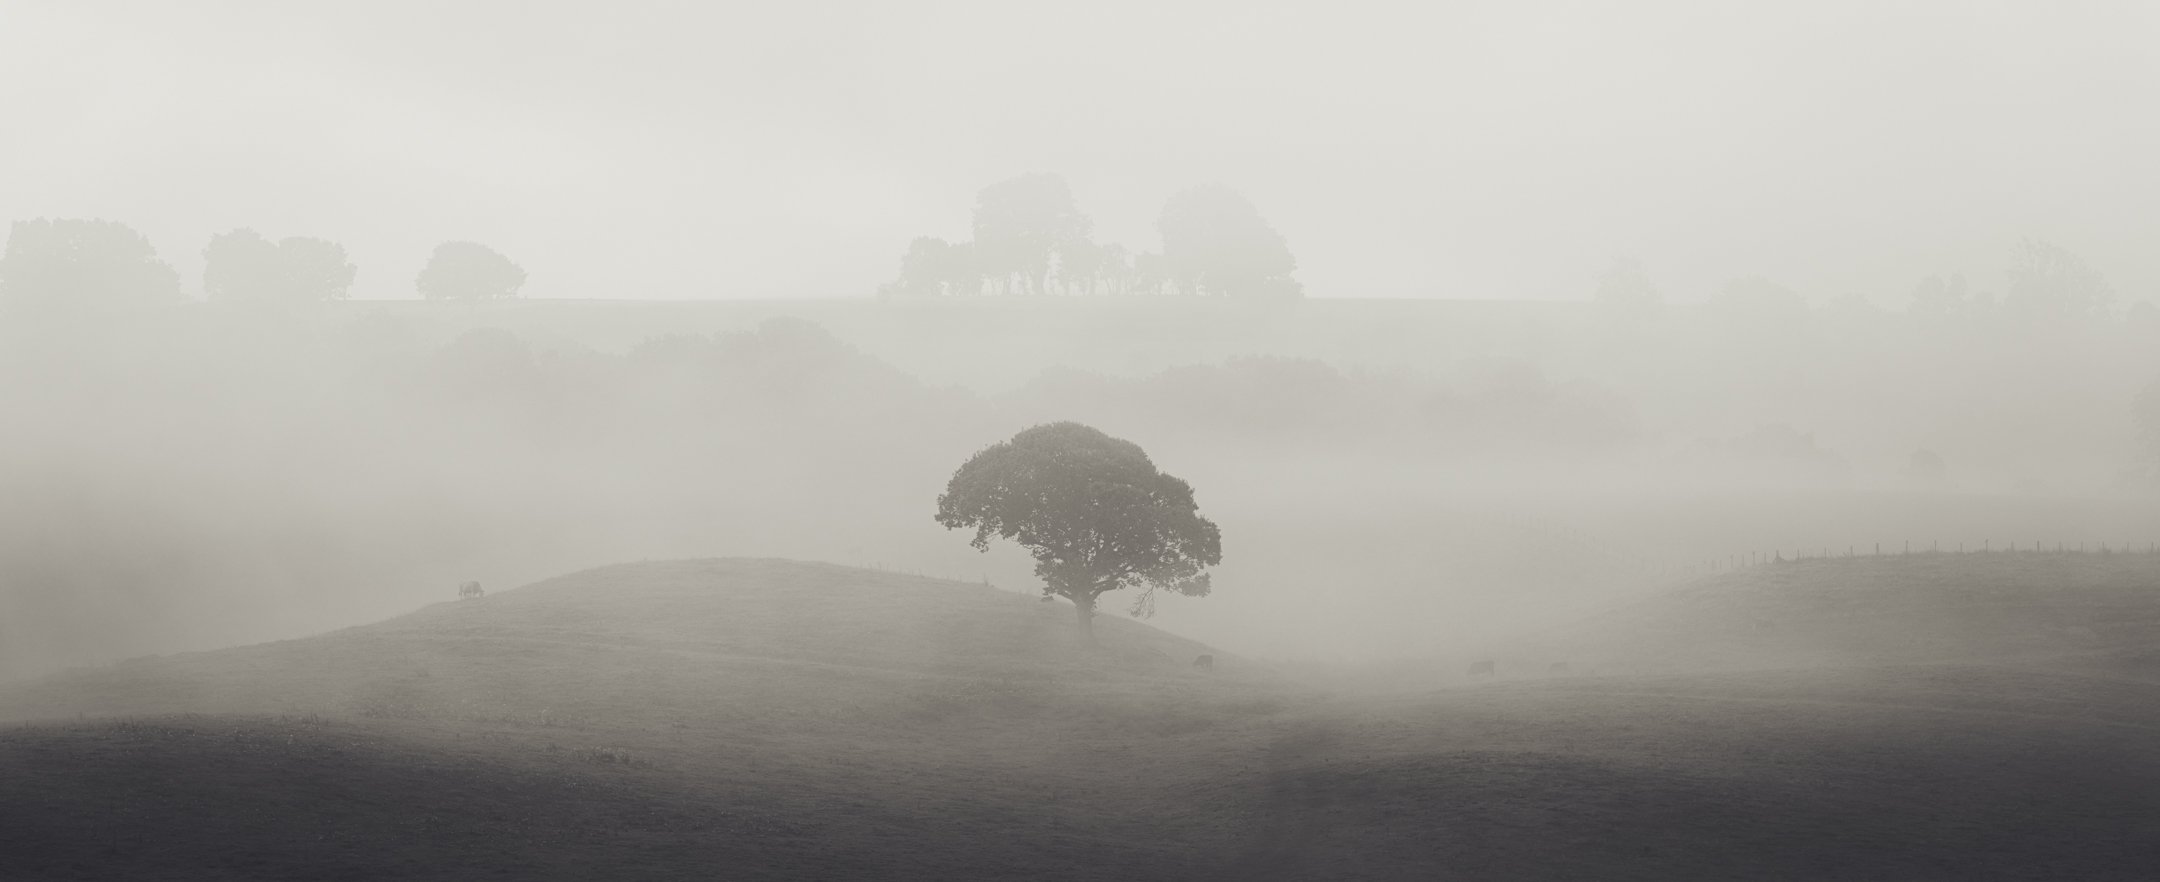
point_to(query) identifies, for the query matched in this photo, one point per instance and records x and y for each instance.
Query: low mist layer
(207, 474)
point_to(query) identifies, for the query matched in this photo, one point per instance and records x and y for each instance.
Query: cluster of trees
(242, 266)
(98, 267)
(94, 267)
(1030, 238)
(2045, 281)
(469, 271)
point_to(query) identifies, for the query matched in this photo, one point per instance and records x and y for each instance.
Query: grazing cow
(470, 591)
(1481, 667)
(1557, 668)
(1204, 663)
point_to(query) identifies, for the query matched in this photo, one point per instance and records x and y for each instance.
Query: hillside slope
(745, 718)
(763, 638)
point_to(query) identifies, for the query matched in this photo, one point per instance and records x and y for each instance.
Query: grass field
(748, 719)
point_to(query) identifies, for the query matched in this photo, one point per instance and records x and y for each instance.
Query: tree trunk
(1085, 608)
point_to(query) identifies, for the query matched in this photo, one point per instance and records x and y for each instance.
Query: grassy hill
(766, 719)
(627, 645)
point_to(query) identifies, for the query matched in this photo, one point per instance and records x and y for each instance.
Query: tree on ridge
(72, 266)
(469, 271)
(241, 265)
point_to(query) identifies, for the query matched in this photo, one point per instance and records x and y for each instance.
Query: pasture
(769, 719)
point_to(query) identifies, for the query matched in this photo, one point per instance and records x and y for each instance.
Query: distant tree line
(243, 266)
(1031, 239)
(2045, 282)
(67, 266)
(90, 267)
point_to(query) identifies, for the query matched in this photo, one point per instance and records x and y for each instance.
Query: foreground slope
(652, 643)
(752, 718)
(763, 719)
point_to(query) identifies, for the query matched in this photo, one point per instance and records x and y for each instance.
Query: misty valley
(506, 594)
(488, 440)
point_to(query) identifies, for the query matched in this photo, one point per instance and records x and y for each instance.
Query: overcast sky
(1506, 149)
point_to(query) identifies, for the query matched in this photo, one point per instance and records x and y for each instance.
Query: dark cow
(1481, 667)
(1204, 663)
(470, 591)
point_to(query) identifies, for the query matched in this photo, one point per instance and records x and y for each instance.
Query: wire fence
(1903, 548)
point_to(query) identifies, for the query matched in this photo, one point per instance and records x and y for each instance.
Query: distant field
(767, 719)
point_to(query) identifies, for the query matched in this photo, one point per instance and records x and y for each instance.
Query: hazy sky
(1506, 149)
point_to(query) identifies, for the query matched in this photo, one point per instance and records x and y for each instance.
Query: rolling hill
(759, 719)
(623, 645)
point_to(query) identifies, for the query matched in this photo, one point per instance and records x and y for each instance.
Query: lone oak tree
(1094, 512)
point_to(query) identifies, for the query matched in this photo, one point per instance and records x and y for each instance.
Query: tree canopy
(73, 266)
(1030, 238)
(1215, 242)
(2047, 279)
(1021, 223)
(934, 267)
(469, 271)
(1093, 510)
(243, 266)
